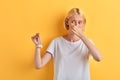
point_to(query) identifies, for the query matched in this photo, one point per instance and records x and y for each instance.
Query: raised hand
(36, 39)
(77, 31)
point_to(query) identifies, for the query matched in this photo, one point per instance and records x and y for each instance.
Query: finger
(74, 31)
(32, 37)
(40, 39)
(75, 27)
(37, 34)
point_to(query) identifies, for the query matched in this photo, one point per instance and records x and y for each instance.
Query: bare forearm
(37, 58)
(93, 50)
(39, 61)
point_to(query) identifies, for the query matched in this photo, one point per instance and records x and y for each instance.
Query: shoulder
(57, 39)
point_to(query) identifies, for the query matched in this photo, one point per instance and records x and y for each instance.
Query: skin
(76, 29)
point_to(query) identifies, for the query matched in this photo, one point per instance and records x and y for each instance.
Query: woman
(70, 52)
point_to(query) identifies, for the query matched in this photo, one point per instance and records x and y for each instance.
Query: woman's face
(77, 21)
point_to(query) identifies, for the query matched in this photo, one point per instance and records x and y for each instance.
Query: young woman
(70, 52)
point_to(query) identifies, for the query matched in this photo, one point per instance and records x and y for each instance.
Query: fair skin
(76, 29)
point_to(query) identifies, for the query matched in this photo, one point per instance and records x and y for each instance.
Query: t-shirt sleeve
(51, 48)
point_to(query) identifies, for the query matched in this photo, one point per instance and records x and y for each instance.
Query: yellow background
(21, 19)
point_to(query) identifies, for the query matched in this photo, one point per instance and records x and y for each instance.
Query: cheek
(70, 24)
(81, 25)
(83, 28)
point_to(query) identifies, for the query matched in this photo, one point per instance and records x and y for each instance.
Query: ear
(66, 21)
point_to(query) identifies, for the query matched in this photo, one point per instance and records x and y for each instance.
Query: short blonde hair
(72, 12)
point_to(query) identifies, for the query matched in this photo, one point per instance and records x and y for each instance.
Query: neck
(72, 37)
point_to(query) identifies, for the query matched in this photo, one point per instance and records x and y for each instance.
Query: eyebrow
(78, 20)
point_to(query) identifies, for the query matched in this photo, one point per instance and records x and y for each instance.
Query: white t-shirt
(70, 59)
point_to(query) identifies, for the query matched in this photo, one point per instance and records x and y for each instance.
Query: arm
(92, 48)
(39, 61)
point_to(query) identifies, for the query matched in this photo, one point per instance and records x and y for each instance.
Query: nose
(76, 23)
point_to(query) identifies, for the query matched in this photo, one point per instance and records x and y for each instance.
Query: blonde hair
(73, 11)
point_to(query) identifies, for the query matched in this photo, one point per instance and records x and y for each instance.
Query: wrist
(81, 35)
(84, 38)
(39, 46)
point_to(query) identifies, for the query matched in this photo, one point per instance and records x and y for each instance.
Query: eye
(79, 22)
(73, 21)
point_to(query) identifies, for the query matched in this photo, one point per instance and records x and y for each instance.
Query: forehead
(76, 17)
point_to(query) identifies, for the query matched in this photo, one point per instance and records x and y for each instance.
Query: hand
(77, 31)
(36, 39)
